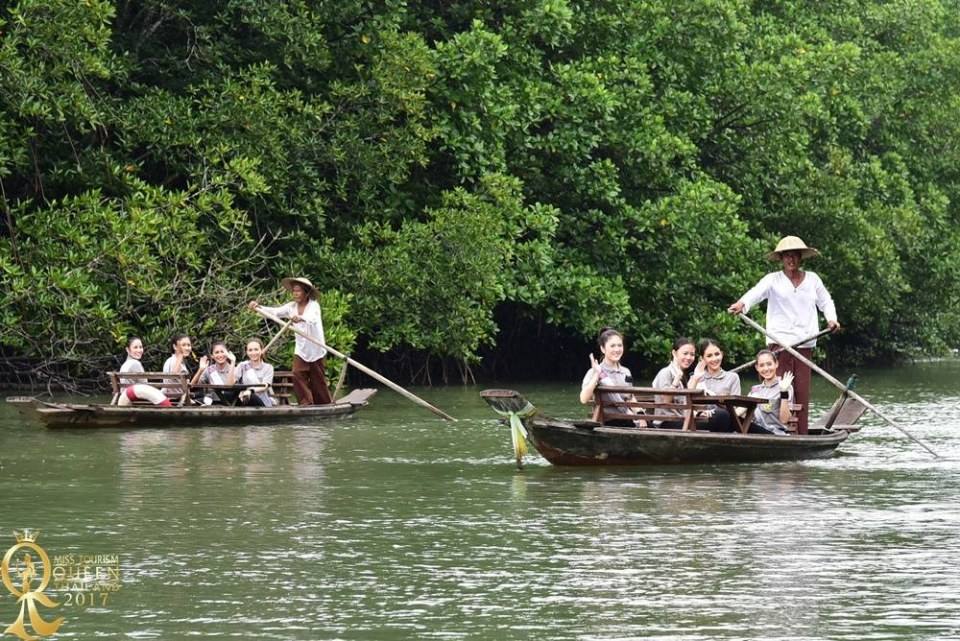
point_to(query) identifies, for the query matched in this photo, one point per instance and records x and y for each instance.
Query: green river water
(392, 524)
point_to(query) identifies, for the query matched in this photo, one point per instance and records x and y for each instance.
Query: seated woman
(771, 417)
(132, 363)
(219, 372)
(610, 373)
(674, 376)
(710, 377)
(130, 389)
(182, 348)
(257, 374)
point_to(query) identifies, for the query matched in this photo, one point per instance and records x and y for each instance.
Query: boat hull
(563, 443)
(75, 415)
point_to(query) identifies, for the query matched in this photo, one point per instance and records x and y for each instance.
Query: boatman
(309, 377)
(793, 297)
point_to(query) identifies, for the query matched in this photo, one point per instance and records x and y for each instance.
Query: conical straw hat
(792, 243)
(288, 283)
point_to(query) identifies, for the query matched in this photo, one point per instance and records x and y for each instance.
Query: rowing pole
(780, 349)
(360, 366)
(274, 339)
(822, 372)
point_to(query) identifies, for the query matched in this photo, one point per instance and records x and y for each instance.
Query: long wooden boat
(58, 415)
(563, 442)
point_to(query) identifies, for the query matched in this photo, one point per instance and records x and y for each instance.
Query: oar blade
(504, 400)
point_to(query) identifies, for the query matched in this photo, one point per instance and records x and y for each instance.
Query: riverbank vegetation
(453, 173)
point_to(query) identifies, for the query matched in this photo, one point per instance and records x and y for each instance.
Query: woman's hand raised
(595, 366)
(786, 381)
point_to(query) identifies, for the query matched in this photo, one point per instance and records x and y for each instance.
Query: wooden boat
(597, 442)
(184, 413)
(106, 415)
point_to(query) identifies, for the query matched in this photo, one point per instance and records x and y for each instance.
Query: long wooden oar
(780, 349)
(752, 323)
(343, 377)
(360, 366)
(274, 339)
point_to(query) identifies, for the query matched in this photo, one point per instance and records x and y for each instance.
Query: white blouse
(312, 324)
(792, 311)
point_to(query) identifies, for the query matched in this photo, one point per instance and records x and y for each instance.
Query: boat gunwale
(826, 436)
(643, 447)
(93, 415)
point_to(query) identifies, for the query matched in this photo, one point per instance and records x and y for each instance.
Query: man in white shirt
(309, 376)
(793, 298)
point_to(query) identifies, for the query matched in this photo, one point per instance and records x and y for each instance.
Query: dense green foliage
(622, 162)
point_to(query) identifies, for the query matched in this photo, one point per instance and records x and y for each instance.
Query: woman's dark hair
(214, 345)
(772, 354)
(605, 334)
(705, 343)
(677, 344)
(176, 339)
(130, 340)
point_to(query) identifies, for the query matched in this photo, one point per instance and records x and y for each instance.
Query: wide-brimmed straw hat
(288, 283)
(792, 243)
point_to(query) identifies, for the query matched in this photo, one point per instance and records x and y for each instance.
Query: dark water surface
(395, 525)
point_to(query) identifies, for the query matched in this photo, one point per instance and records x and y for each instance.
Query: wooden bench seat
(160, 380)
(668, 405)
(282, 387)
(644, 401)
(843, 415)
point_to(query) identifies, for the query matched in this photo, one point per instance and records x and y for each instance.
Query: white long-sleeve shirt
(792, 311)
(131, 365)
(312, 324)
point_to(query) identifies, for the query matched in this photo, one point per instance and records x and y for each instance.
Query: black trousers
(253, 401)
(719, 421)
